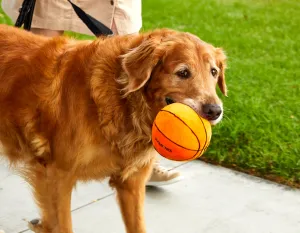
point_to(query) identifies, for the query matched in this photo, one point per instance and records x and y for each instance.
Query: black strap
(27, 9)
(26, 13)
(93, 24)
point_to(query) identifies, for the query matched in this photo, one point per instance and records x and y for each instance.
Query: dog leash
(27, 9)
(93, 24)
(26, 14)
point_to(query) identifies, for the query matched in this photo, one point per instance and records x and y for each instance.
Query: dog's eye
(214, 72)
(184, 74)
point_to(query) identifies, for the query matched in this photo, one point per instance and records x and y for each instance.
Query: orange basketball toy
(178, 133)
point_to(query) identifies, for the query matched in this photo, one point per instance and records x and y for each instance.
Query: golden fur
(80, 110)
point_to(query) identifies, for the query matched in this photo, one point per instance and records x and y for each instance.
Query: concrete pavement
(209, 200)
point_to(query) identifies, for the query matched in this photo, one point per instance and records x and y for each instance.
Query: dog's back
(42, 81)
(28, 66)
(18, 57)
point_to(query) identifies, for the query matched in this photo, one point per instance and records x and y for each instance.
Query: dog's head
(170, 66)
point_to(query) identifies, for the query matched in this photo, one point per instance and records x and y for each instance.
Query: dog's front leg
(131, 195)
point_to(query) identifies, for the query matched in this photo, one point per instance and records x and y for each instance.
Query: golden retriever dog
(83, 110)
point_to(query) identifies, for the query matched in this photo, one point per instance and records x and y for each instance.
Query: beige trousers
(59, 14)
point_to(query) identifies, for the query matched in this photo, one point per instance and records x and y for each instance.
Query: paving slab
(17, 205)
(210, 199)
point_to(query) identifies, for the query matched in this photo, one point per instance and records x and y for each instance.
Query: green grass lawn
(260, 133)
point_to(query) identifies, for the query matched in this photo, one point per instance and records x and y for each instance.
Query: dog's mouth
(169, 101)
(192, 105)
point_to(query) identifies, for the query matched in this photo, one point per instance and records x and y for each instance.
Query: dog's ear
(221, 63)
(139, 63)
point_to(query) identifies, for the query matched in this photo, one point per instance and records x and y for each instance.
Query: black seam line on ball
(173, 141)
(199, 145)
(178, 160)
(205, 146)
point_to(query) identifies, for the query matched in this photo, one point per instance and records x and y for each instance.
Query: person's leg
(46, 32)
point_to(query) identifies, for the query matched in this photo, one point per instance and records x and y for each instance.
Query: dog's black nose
(211, 111)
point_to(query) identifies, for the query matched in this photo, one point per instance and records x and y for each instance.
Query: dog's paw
(36, 226)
